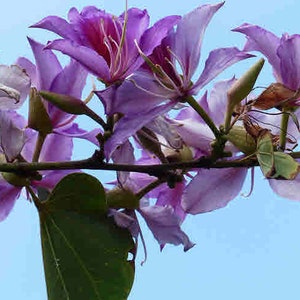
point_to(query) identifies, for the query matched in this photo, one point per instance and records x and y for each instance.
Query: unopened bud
(38, 117)
(66, 103)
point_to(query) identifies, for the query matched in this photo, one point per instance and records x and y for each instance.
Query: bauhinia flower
(14, 86)
(104, 43)
(159, 78)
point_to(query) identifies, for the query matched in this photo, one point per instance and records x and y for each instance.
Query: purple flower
(150, 86)
(282, 53)
(105, 44)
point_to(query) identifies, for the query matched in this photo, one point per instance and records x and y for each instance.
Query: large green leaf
(85, 253)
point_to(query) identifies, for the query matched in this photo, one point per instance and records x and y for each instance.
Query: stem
(283, 129)
(141, 193)
(35, 199)
(38, 146)
(90, 113)
(202, 113)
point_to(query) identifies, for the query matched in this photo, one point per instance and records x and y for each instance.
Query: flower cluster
(173, 155)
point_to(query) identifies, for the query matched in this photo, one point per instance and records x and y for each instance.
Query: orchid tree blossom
(14, 86)
(159, 78)
(104, 43)
(158, 85)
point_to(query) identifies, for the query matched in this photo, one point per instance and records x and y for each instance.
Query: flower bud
(239, 137)
(241, 89)
(121, 198)
(66, 103)
(38, 117)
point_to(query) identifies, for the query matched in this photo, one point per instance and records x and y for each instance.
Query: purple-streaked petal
(286, 188)
(153, 37)
(212, 189)
(58, 26)
(8, 197)
(88, 57)
(12, 138)
(47, 65)
(217, 61)
(129, 125)
(124, 154)
(165, 226)
(259, 39)
(189, 36)
(172, 197)
(289, 54)
(14, 86)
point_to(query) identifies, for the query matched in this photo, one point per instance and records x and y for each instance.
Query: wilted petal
(217, 61)
(165, 226)
(189, 36)
(14, 86)
(289, 54)
(263, 41)
(212, 189)
(286, 188)
(8, 197)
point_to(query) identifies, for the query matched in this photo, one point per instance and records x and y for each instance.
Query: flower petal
(8, 197)
(217, 61)
(263, 41)
(14, 86)
(286, 188)
(289, 54)
(189, 36)
(129, 125)
(88, 57)
(212, 189)
(165, 226)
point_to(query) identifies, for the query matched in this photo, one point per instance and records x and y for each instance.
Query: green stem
(38, 147)
(90, 113)
(202, 113)
(283, 129)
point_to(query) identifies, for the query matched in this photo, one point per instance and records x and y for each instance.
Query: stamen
(251, 185)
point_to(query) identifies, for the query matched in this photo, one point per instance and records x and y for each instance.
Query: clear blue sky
(249, 250)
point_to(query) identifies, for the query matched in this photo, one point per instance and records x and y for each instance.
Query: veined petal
(30, 68)
(289, 54)
(286, 188)
(189, 36)
(217, 61)
(212, 189)
(88, 57)
(130, 124)
(8, 197)
(165, 226)
(259, 39)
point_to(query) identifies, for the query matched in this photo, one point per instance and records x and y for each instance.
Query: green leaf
(285, 166)
(85, 253)
(265, 153)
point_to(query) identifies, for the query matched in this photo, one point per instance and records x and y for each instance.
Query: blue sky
(249, 250)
